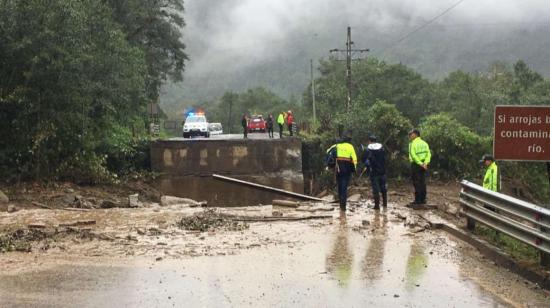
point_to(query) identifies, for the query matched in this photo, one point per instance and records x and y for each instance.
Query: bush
(456, 150)
(86, 168)
(125, 153)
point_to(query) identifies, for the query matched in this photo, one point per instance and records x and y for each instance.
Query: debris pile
(20, 240)
(209, 220)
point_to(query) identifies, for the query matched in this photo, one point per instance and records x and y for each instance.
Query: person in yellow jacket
(281, 122)
(490, 180)
(419, 156)
(345, 166)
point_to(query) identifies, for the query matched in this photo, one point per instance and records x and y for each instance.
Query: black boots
(343, 205)
(376, 202)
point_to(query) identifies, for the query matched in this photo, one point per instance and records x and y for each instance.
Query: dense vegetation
(455, 115)
(75, 81)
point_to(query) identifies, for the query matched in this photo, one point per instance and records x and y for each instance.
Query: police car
(195, 125)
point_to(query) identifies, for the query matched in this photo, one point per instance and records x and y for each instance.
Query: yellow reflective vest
(346, 152)
(281, 119)
(490, 181)
(419, 152)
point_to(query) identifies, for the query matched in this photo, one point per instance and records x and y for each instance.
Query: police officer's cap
(347, 136)
(486, 157)
(414, 131)
(373, 138)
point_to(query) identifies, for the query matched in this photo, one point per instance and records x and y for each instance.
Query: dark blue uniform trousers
(342, 179)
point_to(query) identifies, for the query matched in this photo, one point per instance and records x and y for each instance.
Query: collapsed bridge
(187, 166)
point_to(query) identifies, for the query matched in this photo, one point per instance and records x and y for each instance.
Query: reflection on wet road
(332, 264)
(373, 261)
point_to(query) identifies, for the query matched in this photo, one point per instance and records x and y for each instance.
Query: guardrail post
(470, 224)
(544, 257)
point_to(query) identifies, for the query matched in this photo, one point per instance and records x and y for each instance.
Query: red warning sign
(522, 133)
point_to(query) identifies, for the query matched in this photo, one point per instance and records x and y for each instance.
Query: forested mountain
(226, 55)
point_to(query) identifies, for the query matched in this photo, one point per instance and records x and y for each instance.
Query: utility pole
(230, 107)
(349, 57)
(349, 42)
(313, 92)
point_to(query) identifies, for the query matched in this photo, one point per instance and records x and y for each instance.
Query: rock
(322, 194)
(78, 223)
(365, 223)
(3, 198)
(452, 209)
(411, 221)
(171, 200)
(41, 205)
(68, 199)
(12, 208)
(329, 198)
(133, 201)
(276, 214)
(108, 204)
(80, 202)
(354, 198)
(37, 225)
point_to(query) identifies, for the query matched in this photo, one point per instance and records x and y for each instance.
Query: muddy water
(224, 194)
(338, 264)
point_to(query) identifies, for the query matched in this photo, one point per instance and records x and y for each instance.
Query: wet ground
(141, 258)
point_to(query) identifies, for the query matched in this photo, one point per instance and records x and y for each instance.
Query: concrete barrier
(187, 164)
(235, 157)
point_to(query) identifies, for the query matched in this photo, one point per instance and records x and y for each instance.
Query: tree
(372, 80)
(156, 28)
(68, 74)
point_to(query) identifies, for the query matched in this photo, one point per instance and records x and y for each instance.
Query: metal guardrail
(516, 218)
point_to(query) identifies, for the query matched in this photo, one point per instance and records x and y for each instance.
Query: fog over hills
(239, 44)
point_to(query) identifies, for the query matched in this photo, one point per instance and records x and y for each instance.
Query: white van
(215, 128)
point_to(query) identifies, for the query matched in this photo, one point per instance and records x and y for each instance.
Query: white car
(215, 128)
(195, 125)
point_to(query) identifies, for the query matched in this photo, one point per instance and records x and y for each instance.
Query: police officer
(281, 122)
(374, 159)
(490, 180)
(419, 156)
(345, 166)
(290, 122)
(269, 125)
(244, 123)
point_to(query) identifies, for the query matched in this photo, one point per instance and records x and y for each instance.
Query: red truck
(256, 124)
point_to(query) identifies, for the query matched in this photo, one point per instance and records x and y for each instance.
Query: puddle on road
(332, 266)
(224, 194)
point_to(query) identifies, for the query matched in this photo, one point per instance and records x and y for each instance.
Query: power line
(422, 26)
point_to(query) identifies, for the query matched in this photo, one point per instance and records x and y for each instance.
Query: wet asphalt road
(332, 265)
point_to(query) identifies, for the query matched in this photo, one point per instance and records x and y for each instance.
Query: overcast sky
(239, 44)
(259, 27)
